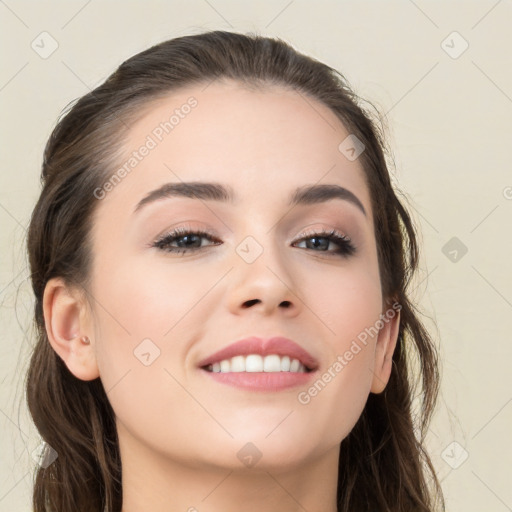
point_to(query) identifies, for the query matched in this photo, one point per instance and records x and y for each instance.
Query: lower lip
(262, 381)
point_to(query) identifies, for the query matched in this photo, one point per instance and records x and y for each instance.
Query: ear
(386, 343)
(67, 320)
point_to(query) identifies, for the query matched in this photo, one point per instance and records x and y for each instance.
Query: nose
(263, 286)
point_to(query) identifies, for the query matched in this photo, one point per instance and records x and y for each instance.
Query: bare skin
(180, 431)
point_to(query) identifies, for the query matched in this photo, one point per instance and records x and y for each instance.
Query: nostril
(249, 303)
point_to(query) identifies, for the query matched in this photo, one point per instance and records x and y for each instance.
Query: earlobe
(386, 344)
(66, 323)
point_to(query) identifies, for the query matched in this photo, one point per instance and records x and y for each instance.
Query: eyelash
(346, 247)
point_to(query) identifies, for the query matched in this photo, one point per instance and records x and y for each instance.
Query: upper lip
(263, 346)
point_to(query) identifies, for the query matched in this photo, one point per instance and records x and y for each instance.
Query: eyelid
(183, 230)
(183, 227)
(314, 228)
(315, 231)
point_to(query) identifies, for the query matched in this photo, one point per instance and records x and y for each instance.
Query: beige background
(449, 115)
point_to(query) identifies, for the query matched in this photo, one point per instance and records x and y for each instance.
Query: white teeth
(257, 363)
(272, 364)
(238, 364)
(294, 365)
(254, 363)
(225, 365)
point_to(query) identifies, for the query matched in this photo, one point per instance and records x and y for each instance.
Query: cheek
(345, 300)
(149, 311)
(347, 306)
(149, 297)
(147, 320)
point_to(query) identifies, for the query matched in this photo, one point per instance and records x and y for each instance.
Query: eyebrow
(306, 195)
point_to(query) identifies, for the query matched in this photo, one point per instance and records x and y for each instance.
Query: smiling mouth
(254, 363)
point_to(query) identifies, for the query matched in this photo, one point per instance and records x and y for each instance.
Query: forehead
(262, 142)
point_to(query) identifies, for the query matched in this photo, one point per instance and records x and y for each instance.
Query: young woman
(221, 268)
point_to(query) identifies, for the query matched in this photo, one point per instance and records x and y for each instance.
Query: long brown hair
(383, 465)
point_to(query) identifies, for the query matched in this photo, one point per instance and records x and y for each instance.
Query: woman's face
(158, 314)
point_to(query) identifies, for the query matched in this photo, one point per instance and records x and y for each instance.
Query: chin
(271, 452)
